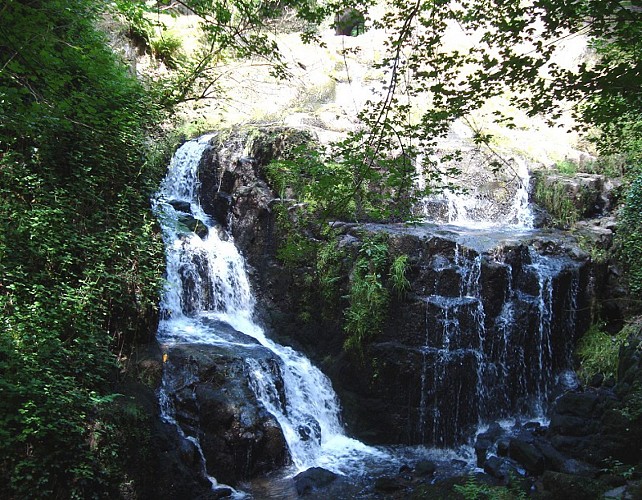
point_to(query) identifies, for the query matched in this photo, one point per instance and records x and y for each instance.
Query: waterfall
(478, 367)
(485, 332)
(485, 200)
(207, 282)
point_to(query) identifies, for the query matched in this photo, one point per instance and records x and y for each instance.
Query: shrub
(630, 236)
(598, 352)
(167, 48)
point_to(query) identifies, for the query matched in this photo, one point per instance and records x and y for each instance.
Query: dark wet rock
(210, 391)
(589, 426)
(596, 380)
(405, 469)
(390, 484)
(313, 479)
(533, 427)
(310, 431)
(485, 440)
(572, 426)
(221, 207)
(562, 486)
(181, 206)
(578, 404)
(481, 449)
(503, 446)
(193, 224)
(523, 449)
(160, 464)
(425, 468)
(500, 468)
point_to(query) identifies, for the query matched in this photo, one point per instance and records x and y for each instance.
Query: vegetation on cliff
(80, 259)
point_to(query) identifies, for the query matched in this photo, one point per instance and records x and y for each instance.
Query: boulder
(313, 479)
(500, 468)
(209, 389)
(523, 449)
(425, 468)
(390, 484)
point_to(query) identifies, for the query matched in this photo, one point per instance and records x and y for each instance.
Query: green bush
(598, 352)
(629, 237)
(167, 48)
(80, 255)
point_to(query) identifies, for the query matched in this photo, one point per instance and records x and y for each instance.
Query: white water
(206, 279)
(478, 207)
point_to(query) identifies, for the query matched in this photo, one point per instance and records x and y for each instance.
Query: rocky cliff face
(487, 324)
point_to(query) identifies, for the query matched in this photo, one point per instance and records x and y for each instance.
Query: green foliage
(617, 468)
(80, 257)
(398, 270)
(325, 188)
(629, 236)
(333, 183)
(329, 269)
(295, 248)
(368, 295)
(567, 167)
(632, 408)
(598, 352)
(475, 490)
(554, 197)
(167, 48)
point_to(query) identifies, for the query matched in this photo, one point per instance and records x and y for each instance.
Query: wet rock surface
(312, 479)
(214, 402)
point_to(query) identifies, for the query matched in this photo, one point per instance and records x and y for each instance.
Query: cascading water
(207, 285)
(494, 327)
(477, 365)
(486, 201)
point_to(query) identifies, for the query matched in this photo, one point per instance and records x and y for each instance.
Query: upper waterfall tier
(487, 197)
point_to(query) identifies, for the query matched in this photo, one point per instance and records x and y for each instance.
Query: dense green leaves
(80, 260)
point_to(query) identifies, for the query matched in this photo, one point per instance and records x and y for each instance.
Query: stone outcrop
(212, 401)
(590, 194)
(507, 299)
(479, 336)
(593, 438)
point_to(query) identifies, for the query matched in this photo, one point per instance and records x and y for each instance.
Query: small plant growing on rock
(598, 352)
(368, 295)
(398, 270)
